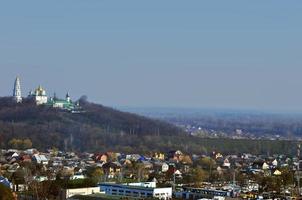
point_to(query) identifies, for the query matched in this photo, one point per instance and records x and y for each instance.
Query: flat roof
(129, 186)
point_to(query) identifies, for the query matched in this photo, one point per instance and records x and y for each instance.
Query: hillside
(101, 128)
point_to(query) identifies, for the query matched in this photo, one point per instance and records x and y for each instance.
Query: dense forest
(100, 128)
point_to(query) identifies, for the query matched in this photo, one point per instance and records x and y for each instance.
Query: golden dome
(40, 91)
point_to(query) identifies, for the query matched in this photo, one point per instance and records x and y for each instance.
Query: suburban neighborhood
(159, 175)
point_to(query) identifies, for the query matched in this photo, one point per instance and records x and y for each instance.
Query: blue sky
(209, 54)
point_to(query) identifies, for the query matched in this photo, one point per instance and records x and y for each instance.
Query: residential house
(40, 159)
(112, 169)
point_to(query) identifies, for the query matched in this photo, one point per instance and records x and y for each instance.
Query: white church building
(40, 97)
(17, 91)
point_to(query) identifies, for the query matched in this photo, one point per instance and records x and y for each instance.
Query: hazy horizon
(242, 55)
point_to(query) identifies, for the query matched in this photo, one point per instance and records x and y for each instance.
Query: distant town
(231, 124)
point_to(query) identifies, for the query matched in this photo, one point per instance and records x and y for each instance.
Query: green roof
(68, 105)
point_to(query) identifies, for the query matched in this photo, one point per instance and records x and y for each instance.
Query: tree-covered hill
(97, 127)
(101, 128)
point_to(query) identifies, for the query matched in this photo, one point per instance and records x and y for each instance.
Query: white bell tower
(17, 91)
(68, 99)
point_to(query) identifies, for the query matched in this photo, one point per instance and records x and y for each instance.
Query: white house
(164, 167)
(67, 193)
(77, 176)
(265, 166)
